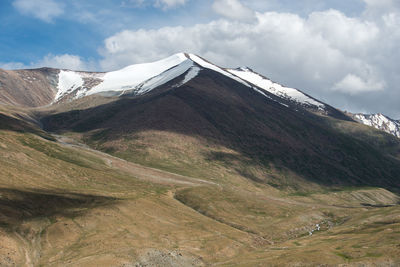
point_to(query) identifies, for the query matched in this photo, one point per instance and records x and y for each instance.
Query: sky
(343, 52)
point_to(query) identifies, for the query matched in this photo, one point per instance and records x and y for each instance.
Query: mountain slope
(99, 210)
(28, 88)
(228, 114)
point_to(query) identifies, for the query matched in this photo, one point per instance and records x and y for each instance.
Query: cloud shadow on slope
(17, 206)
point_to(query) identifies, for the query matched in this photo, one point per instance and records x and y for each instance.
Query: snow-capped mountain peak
(141, 78)
(138, 78)
(379, 121)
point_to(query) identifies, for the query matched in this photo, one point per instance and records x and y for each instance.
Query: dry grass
(65, 205)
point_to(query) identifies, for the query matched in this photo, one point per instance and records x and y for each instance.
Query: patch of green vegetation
(344, 255)
(373, 255)
(52, 219)
(301, 194)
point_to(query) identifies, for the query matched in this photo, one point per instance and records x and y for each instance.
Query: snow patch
(163, 78)
(193, 72)
(275, 88)
(381, 122)
(210, 66)
(132, 76)
(68, 81)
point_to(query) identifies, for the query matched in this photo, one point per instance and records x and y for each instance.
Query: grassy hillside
(63, 204)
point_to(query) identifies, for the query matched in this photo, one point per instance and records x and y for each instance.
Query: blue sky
(83, 25)
(80, 29)
(343, 52)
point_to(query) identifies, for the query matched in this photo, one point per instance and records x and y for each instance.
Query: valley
(205, 171)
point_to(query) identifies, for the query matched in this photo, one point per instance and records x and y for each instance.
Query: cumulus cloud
(45, 10)
(233, 9)
(349, 35)
(354, 84)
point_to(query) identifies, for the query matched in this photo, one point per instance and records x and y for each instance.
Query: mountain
(265, 123)
(137, 79)
(379, 121)
(180, 162)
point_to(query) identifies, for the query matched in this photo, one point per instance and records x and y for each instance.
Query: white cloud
(354, 84)
(349, 35)
(64, 61)
(45, 10)
(233, 9)
(12, 65)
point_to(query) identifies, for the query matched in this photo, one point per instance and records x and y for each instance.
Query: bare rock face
(28, 88)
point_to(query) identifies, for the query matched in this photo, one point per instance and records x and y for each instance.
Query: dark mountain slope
(256, 130)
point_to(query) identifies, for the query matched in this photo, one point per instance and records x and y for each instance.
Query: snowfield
(132, 76)
(139, 78)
